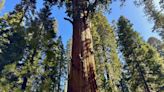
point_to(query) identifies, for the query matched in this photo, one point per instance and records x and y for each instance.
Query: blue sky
(136, 16)
(133, 13)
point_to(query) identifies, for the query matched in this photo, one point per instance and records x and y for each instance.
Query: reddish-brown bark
(82, 76)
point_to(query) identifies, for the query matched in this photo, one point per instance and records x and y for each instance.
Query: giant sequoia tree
(82, 63)
(108, 67)
(32, 57)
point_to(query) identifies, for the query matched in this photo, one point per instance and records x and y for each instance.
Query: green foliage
(35, 55)
(107, 62)
(91, 6)
(154, 14)
(2, 2)
(12, 43)
(143, 62)
(156, 43)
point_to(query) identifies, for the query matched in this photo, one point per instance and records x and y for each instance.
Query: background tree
(41, 57)
(154, 14)
(108, 66)
(2, 2)
(156, 43)
(143, 61)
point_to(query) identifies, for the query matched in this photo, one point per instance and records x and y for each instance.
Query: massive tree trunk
(82, 76)
(82, 73)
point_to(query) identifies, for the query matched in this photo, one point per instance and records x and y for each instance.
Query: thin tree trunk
(109, 78)
(25, 78)
(59, 76)
(143, 78)
(122, 87)
(82, 77)
(23, 87)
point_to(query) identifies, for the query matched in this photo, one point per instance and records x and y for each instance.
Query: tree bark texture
(82, 76)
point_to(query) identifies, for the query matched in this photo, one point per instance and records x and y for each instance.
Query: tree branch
(69, 20)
